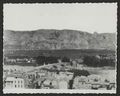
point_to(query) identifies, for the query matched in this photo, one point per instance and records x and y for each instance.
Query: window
(8, 84)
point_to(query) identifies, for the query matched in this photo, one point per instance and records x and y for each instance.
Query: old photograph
(59, 48)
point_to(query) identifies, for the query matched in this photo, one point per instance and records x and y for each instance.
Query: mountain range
(49, 39)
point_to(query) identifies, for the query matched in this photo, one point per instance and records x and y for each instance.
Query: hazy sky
(91, 17)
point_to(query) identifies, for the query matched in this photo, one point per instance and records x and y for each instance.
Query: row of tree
(97, 62)
(87, 60)
(40, 60)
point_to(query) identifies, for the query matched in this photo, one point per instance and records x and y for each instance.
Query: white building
(81, 82)
(93, 78)
(63, 84)
(67, 75)
(55, 83)
(14, 82)
(59, 61)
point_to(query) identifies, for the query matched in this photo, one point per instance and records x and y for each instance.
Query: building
(47, 84)
(59, 61)
(74, 63)
(14, 82)
(81, 82)
(63, 84)
(94, 78)
(55, 83)
(96, 85)
(47, 87)
(68, 75)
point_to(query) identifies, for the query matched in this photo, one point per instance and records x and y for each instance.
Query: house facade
(14, 82)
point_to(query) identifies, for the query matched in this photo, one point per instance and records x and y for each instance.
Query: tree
(40, 60)
(65, 59)
(91, 61)
(96, 62)
(71, 84)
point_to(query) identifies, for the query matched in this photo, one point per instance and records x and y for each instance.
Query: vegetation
(52, 56)
(73, 53)
(97, 62)
(65, 59)
(40, 60)
(79, 72)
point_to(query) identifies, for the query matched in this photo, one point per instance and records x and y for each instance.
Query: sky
(89, 17)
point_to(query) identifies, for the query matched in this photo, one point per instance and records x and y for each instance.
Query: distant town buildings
(53, 76)
(19, 60)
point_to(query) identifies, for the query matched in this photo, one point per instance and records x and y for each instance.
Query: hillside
(57, 39)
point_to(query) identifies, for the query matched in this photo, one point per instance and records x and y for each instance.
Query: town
(61, 74)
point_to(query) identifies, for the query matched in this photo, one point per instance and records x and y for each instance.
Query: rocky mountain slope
(57, 39)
